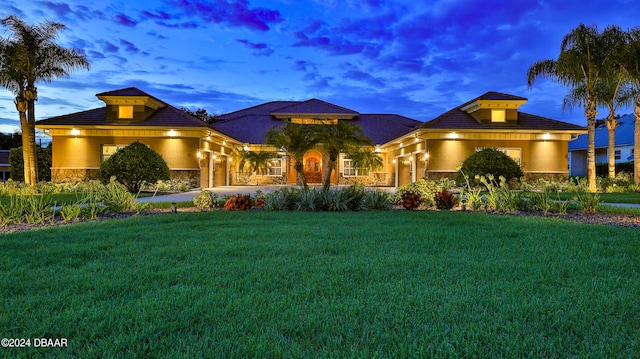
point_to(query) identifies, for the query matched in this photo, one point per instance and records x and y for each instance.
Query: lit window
(350, 171)
(498, 115)
(125, 112)
(275, 167)
(109, 150)
(314, 121)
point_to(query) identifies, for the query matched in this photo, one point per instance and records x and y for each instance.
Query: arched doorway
(313, 167)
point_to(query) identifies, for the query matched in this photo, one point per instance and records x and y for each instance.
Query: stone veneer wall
(192, 177)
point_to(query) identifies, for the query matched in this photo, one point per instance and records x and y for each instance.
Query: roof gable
(314, 108)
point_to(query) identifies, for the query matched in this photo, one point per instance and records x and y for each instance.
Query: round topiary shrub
(488, 161)
(134, 165)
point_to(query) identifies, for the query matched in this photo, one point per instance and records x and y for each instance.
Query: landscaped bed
(364, 284)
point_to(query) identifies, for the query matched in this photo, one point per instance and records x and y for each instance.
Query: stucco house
(206, 155)
(623, 149)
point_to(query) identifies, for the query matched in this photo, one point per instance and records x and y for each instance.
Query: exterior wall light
(172, 133)
(75, 132)
(245, 147)
(546, 136)
(453, 135)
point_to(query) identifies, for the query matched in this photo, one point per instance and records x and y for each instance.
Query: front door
(313, 170)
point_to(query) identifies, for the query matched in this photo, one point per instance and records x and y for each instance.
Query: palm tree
(581, 65)
(612, 93)
(631, 66)
(335, 139)
(614, 89)
(35, 57)
(296, 140)
(366, 158)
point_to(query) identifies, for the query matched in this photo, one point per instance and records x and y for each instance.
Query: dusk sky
(413, 58)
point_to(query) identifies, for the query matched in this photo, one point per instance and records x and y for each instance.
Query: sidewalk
(222, 191)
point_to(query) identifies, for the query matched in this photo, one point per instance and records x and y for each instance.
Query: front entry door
(313, 170)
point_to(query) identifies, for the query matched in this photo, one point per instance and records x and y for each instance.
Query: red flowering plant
(411, 200)
(445, 200)
(239, 202)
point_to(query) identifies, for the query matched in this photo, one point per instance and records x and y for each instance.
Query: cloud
(108, 46)
(129, 47)
(261, 49)
(123, 19)
(234, 13)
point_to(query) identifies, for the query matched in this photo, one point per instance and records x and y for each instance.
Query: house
(207, 155)
(623, 149)
(5, 166)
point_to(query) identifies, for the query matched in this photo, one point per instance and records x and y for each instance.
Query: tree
(43, 156)
(31, 55)
(366, 158)
(258, 162)
(296, 140)
(202, 114)
(584, 57)
(335, 139)
(134, 165)
(631, 64)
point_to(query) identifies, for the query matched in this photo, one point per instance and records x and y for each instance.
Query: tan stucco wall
(86, 152)
(537, 156)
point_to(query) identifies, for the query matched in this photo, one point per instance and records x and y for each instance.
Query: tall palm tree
(37, 58)
(612, 93)
(11, 78)
(584, 56)
(296, 140)
(631, 66)
(614, 89)
(338, 138)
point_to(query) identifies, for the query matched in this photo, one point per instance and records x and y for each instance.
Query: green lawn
(293, 284)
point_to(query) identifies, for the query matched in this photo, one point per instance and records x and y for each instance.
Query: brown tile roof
(168, 116)
(251, 124)
(456, 119)
(314, 107)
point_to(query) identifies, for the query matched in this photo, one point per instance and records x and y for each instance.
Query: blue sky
(414, 58)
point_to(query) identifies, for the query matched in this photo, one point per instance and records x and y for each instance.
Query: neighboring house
(623, 149)
(207, 154)
(5, 166)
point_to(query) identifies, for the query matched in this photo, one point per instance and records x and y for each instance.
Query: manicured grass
(293, 284)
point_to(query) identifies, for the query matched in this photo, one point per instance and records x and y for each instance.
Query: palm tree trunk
(636, 144)
(326, 183)
(21, 106)
(29, 146)
(299, 167)
(611, 127)
(591, 113)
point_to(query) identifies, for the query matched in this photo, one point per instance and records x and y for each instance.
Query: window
(617, 154)
(314, 121)
(275, 167)
(350, 171)
(109, 150)
(515, 153)
(5, 175)
(498, 115)
(125, 112)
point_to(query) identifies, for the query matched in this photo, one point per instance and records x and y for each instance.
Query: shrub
(488, 161)
(445, 200)
(334, 200)
(411, 200)
(204, 200)
(239, 202)
(377, 200)
(117, 199)
(134, 165)
(425, 188)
